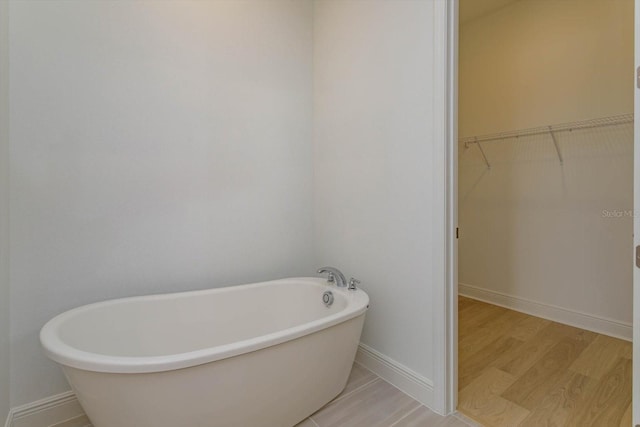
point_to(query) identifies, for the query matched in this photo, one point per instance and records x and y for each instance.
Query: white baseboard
(65, 406)
(45, 412)
(408, 381)
(575, 318)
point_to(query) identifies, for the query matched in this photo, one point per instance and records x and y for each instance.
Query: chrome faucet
(335, 275)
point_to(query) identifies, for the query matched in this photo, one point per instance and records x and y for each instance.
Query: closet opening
(545, 212)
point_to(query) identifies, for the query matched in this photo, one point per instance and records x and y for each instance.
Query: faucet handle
(352, 284)
(331, 277)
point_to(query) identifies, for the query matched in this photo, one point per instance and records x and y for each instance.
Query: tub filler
(259, 355)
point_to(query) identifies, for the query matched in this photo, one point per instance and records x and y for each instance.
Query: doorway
(545, 211)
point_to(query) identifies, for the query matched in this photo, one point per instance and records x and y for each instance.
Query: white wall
(374, 174)
(531, 228)
(4, 211)
(160, 146)
(155, 146)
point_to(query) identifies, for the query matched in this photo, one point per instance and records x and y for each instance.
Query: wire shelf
(547, 130)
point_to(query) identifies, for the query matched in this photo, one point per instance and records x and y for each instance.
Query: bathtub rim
(59, 351)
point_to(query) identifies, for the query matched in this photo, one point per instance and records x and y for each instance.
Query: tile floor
(367, 401)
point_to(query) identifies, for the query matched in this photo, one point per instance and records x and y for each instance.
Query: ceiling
(472, 9)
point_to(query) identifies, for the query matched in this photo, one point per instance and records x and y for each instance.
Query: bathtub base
(276, 386)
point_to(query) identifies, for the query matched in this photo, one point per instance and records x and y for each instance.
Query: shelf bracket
(555, 143)
(482, 152)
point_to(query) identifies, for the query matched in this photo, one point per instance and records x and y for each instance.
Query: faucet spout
(341, 281)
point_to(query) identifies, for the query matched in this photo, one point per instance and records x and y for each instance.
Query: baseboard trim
(598, 324)
(405, 379)
(65, 406)
(46, 412)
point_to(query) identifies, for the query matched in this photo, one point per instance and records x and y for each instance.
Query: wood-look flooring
(516, 370)
(366, 401)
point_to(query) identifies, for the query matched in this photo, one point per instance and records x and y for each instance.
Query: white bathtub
(261, 355)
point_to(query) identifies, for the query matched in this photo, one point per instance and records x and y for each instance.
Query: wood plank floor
(520, 370)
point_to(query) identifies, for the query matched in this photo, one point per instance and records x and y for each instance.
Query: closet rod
(584, 124)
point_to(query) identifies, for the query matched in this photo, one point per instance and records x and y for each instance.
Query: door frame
(445, 275)
(635, 403)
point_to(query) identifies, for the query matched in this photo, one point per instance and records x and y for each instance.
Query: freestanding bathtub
(260, 355)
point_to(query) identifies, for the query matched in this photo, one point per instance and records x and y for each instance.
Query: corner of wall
(4, 211)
